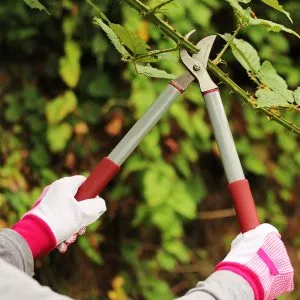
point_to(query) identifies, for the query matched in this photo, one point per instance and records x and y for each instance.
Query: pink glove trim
(264, 256)
(37, 234)
(247, 274)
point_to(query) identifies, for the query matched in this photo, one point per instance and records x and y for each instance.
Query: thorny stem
(219, 56)
(154, 53)
(173, 34)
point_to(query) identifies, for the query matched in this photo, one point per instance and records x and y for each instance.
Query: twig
(154, 53)
(219, 56)
(217, 214)
(173, 34)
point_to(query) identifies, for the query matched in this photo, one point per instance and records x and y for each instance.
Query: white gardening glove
(260, 257)
(57, 217)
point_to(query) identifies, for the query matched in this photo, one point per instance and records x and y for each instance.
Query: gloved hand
(57, 217)
(260, 257)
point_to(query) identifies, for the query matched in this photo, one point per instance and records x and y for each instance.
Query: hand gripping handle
(98, 179)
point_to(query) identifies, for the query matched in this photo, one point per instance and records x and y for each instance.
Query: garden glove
(57, 217)
(260, 257)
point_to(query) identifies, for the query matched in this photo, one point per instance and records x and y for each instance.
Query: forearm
(15, 251)
(16, 263)
(221, 285)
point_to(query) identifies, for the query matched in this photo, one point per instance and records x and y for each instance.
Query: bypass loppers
(196, 64)
(110, 165)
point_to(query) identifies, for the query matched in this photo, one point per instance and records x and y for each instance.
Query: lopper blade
(198, 62)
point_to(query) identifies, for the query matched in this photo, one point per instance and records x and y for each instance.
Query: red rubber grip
(98, 179)
(244, 204)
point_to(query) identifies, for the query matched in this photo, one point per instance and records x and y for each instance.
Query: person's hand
(57, 217)
(260, 257)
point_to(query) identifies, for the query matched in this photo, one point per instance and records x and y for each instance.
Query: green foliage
(276, 5)
(245, 16)
(69, 66)
(60, 107)
(244, 52)
(36, 4)
(66, 100)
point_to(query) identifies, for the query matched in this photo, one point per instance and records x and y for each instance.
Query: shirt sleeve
(221, 285)
(15, 251)
(16, 269)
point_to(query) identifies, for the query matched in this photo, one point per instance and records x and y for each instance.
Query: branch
(217, 214)
(219, 56)
(173, 34)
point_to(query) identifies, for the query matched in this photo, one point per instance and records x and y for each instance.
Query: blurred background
(66, 99)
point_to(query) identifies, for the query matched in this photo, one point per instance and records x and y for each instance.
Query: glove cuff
(37, 234)
(247, 274)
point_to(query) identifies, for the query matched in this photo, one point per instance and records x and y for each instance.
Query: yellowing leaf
(277, 6)
(60, 107)
(69, 65)
(130, 39)
(144, 30)
(118, 292)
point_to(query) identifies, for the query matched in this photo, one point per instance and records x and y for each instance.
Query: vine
(173, 34)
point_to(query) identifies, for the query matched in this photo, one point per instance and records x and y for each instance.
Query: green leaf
(36, 5)
(58, 136)
(69, 26)
(166, 261)
(182, 117)
(60, 107)
(255, 165)
(244, 16)
(268, 76)
(178, 249)
(100, 86)
(40, 156)
(181, 201)
(279, 95)
(69, 65)
(244, 53)
(150, 71)
(271, 26)
(130, 39)
(297, 95)
(112, 36)
(97, 9)
(277, 6)
(268, 98)
(157, 184)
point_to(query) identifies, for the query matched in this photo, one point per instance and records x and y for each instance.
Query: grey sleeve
(221, 285)
(15, 251)
(16, 269)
